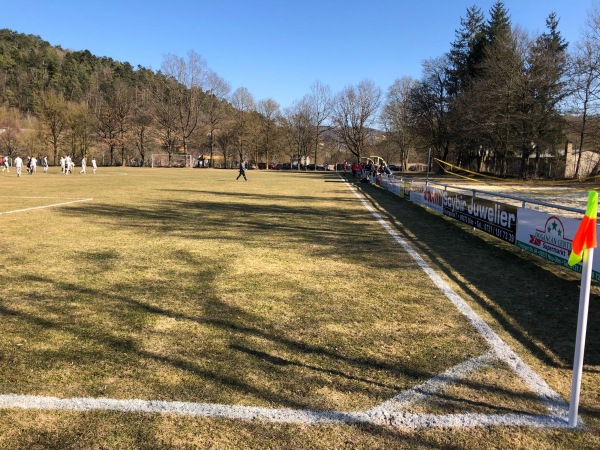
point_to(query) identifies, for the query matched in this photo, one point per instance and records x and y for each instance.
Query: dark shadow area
(288, 224)
(267, 197)
(276, 360)
(534, 300)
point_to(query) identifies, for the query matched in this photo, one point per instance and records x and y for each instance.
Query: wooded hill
(30, 67)
(56, 101)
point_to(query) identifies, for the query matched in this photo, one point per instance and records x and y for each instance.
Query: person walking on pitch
(242, 170)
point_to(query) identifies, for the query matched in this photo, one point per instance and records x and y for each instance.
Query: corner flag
(584, 243)
(585, 238)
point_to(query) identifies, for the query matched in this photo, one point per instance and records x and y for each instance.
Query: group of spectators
(370, 171)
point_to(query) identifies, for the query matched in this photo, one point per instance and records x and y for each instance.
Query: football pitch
(180, 308)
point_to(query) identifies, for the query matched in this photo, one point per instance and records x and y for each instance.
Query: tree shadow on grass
(269, 197)
(535, 301)
(120, 343)
(286, 225)
(200, 220)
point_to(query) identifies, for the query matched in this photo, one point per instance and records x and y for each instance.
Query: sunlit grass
(185, 285)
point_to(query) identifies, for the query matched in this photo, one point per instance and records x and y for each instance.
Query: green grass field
(282, 292)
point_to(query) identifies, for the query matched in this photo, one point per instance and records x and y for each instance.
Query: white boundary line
(45, 206)
(401, 420)
(554, 402)
(383, 414)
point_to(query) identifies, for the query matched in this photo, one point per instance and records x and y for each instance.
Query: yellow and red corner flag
(585, 237)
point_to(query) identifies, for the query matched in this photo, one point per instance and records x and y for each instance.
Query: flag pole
(582, 248)
(584, 301)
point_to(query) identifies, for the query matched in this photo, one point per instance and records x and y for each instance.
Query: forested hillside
(55, 101)
(30, 67)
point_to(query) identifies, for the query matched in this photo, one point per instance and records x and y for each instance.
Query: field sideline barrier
(547, 235)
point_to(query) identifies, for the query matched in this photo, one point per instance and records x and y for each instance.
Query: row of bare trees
(499, 101)
(188, 108)
(56, 102)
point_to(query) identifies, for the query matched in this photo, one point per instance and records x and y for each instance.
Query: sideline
(556, 405)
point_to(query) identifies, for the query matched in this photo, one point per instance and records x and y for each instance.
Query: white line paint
(554, 402)
(400, 420)
(384, 414)
(42, 197)
(435, 384)
(47, 206)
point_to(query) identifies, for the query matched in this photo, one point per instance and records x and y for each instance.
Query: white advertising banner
(427, 196)
(391, 185)
(550, 237)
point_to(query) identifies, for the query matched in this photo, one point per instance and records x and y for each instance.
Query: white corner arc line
(554, 402)
(435, 384)
(47, 206)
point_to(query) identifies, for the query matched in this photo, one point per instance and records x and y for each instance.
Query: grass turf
(277, 292)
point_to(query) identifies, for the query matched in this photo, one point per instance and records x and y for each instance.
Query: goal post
(166, 160)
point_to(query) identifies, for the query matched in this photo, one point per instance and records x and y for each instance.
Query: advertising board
(550, 237)
(497, 219)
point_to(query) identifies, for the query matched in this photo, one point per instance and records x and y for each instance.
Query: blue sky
(276, 48)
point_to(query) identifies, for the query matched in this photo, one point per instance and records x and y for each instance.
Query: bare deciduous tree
(142, 121)
(321, 102)
(214, 107)
(186, 94)
(53, 117)
(298, 120)
(80, 125)
(585, 85)
(429, 107)
(165, 114)
(243, 104)
(396, 117)
(10, 137)
(112, 109)
(269, 111)
(354, 113)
